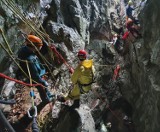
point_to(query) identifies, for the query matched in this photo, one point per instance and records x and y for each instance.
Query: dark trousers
(42, 93)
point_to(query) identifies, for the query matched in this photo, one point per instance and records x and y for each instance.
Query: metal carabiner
(35, 112)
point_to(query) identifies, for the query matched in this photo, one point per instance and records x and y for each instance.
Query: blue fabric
(129, 10)
(36, 65)
(36, 68)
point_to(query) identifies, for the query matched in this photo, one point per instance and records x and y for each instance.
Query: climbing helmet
(35, 40)
(130, 2)
(82, 54)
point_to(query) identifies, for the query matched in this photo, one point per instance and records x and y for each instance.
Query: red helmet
(82, 54)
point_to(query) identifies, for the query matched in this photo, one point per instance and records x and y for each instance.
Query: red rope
(20, 82)
(52, 47)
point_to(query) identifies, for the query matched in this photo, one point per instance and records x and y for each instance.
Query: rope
(13, 59)
(1, 31)
(34, 123)
(29, 61)
(52, 47)
(4, 48)
(12, 6)
(5, 40)
(103, 65)
(17, 12)
(30, 80)
(44, 60)
(20, 82)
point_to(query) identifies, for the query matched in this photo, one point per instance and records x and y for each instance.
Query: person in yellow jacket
(82, 78)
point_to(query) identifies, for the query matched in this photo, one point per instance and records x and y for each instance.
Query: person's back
(23, 55)
(86, 71)
(27, 56)
(82, 78)
(129, 9)
(26, 53)
(83, 75)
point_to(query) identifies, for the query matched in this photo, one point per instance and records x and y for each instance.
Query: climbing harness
(10, 4)
(10, 55)
(58, 55)
(82, 91)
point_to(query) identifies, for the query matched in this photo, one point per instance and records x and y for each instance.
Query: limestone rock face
(145, 71)
(78, 24)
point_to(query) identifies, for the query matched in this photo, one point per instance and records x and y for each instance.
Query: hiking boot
(60, 98)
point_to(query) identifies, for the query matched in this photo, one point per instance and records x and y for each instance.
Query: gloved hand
(71, 70)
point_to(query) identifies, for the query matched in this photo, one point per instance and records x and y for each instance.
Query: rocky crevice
(77, 24)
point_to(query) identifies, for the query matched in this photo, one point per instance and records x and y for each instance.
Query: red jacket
(116, 72)
(125, 36)
(129, 24)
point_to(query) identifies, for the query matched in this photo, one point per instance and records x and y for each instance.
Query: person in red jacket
(131, 27)
(116, 72)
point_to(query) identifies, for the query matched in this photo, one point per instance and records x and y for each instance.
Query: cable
(5, 122)
(3, 119)
(7, 101)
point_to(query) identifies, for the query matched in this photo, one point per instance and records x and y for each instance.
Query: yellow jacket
(83, 74)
